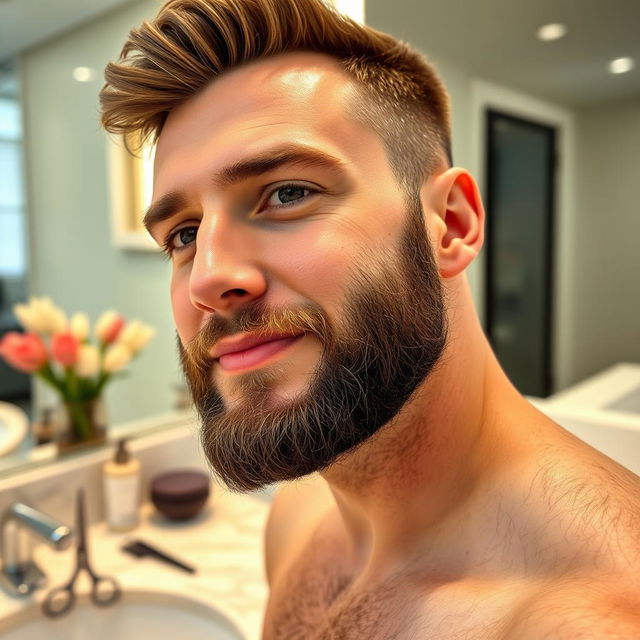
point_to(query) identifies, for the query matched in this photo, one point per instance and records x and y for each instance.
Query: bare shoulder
(577, 510)
(587, 609)
(296, 510)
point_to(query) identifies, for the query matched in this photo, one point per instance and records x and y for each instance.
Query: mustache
(260, 319)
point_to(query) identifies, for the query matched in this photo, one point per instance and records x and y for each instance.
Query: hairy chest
(319, 602)
(318, 599)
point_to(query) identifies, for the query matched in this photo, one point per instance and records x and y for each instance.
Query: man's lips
(249, 349)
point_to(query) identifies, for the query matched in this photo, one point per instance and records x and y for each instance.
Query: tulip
(25, 316)
(136, 335)
(30, 317)
(57, 321)
(109, 326)
(64, 347)
(40, 316)
(116, 357)
(79, 326)
(88, 363)
(51, 318)
(25, 352)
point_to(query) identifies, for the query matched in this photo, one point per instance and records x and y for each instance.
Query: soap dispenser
(122, 489)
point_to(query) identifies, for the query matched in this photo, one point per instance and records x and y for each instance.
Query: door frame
(486, 95)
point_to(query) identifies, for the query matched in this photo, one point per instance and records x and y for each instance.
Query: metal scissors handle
(105, 590)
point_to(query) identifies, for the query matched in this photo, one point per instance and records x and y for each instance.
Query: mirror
(59, 229)
(72, 251)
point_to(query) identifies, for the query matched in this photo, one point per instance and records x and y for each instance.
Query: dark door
(521, 161)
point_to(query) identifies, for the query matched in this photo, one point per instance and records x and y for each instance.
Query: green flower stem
(80, 421)
(47, 374)
(86, 388)
(102, 380)
(72, 384)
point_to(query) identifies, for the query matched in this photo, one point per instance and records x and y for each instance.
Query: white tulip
(40, 315)
(48, 317)
(142, 337)
(79, 326)
(88, 363)
(136, 335)
(57, 320)
(26, 317)
(129, 333)
(147, 332)
(116, 357)
(43, 309)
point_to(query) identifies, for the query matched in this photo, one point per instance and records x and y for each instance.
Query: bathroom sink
(137, 615)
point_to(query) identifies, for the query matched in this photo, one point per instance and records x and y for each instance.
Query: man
(319, 236)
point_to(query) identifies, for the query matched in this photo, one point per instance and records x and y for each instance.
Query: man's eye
(184, 236)
(288, 194)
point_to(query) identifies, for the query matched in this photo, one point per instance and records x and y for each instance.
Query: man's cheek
(183, 313)
(318, 270)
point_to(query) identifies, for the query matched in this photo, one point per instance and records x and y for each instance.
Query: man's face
(302, 234)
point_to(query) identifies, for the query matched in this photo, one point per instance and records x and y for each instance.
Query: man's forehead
(299, 98)
(298, 86)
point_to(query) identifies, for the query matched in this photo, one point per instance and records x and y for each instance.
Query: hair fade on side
(168, 60)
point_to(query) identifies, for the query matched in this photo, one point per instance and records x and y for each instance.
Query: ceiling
(26, 23)
(495, 39)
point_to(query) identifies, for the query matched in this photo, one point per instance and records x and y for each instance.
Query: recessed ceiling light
(621, 65)
(82, 74)
(552, 31)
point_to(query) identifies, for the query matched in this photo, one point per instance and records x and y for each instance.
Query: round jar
(180, 495)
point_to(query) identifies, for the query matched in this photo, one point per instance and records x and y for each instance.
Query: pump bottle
(122, 490)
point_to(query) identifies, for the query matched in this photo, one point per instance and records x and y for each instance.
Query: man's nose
(224, 274)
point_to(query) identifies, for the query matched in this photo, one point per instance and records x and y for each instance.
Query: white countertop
(224, 543)
(607, 398)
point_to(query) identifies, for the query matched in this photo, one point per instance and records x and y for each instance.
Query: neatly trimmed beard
(391, 335)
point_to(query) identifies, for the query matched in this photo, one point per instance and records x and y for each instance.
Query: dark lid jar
(180, 495)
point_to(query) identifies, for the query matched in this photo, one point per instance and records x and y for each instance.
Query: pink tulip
(113, 329)
(25, 352)
(64, 347)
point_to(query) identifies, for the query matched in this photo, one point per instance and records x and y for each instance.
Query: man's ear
(457, 229)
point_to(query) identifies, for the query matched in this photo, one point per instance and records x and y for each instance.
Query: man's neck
(427, 466)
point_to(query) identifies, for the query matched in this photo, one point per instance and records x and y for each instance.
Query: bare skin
(473, 515)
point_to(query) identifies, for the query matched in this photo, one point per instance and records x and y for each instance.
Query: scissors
(104, 591)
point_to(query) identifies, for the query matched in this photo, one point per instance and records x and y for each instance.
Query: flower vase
(81, 424)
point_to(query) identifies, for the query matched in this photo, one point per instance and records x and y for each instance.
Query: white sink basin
(137, 615)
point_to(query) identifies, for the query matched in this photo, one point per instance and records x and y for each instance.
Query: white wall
(607, 236)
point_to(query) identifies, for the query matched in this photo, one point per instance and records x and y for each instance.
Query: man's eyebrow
(165, 207)
(285, 155)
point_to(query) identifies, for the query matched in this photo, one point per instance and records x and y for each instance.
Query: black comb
(141, 549)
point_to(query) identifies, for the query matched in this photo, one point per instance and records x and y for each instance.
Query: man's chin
(257, 392)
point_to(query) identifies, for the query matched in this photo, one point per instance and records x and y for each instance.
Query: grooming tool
(141, 549)
(104, 589)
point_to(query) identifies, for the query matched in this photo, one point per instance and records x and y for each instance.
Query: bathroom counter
(613, 394)
(224, 543)
(604, 411)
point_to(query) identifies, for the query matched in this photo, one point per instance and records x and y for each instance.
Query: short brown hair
(168, 60)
